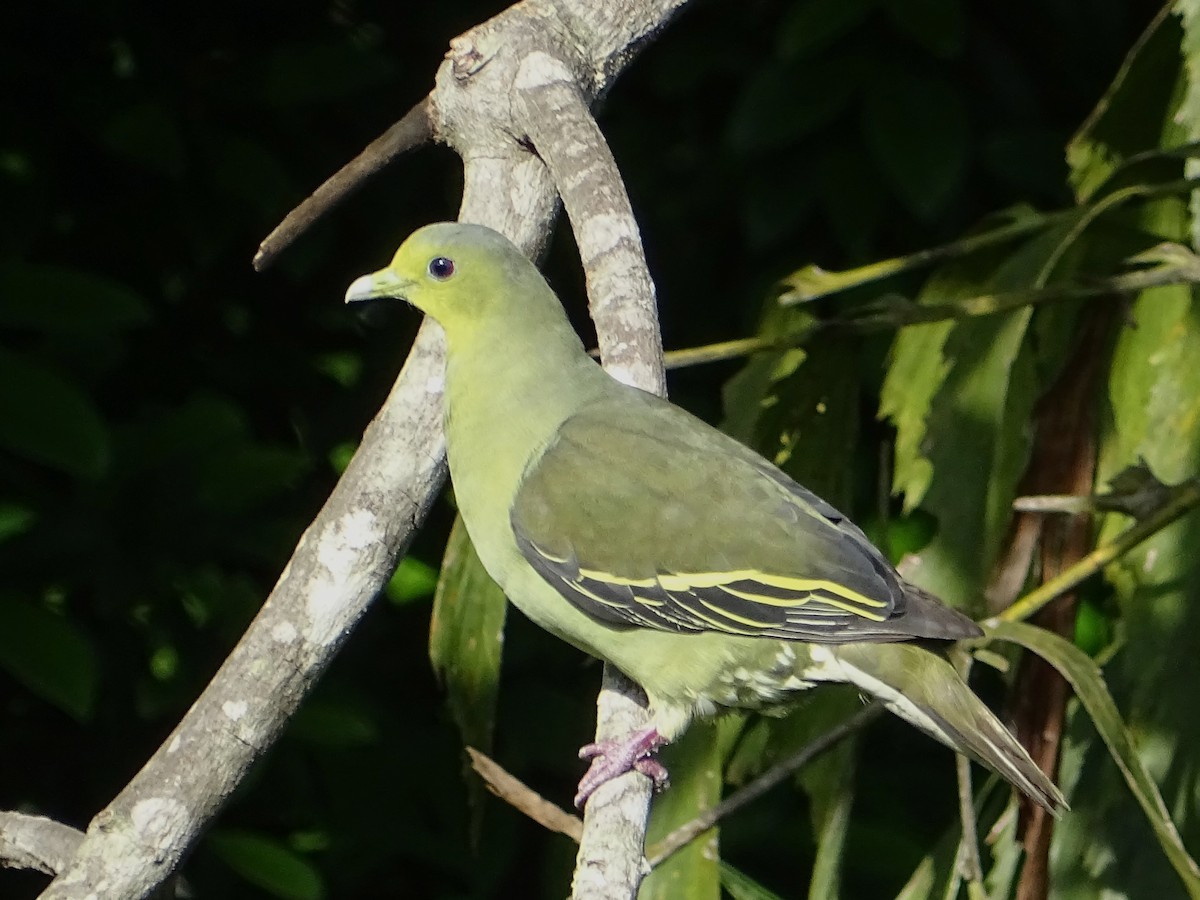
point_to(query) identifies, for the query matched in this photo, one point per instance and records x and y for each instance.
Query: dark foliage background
(170, 421)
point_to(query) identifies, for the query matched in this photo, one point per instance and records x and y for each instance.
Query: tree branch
(523, 798)
(35, 842)
(349, 551)
(414, 129)
(1185, 498)
(621, 297)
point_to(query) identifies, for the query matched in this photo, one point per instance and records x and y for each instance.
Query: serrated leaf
(1087, 682)
(466, 640)
(917, 369)
(46, 418)
(961, 398)
(916, 127)
(798, 407)
(696, 763)
(56, 299)
(268, 864)
(50, 656)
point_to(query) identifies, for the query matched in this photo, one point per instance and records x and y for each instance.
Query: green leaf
(960, 395)
(798, 407)
(1087, 681)
(340, 456)
(742, 887)
(917, 369)
(56, 299)
(1189, 107)
(46, 418)
(828, 780)
(696, 763)
(1154, 401)
(916, 127)
(833, 799)
(1131, 115)
(811, 282)
(413, 580)
(268, 864)
(466, 639)
(48, 654)
(937, 875)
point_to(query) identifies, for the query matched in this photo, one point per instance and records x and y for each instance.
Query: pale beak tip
(363, 288)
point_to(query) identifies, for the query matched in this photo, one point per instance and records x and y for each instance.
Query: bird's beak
(377, 285)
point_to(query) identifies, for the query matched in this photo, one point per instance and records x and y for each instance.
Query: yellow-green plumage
(645, 537)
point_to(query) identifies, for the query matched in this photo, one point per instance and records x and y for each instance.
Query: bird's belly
(768, 681)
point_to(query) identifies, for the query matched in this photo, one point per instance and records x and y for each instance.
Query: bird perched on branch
(649, 539)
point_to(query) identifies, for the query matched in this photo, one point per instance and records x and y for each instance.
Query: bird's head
(458, 273)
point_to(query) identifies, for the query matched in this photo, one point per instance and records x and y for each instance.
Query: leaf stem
(1186, 497)
(684, 834)
(1183, 269)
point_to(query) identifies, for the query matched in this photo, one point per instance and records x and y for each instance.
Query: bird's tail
(924, 689)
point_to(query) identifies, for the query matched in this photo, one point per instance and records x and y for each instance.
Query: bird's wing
(641, 515)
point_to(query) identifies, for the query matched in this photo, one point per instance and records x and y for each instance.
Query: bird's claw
(612, 758)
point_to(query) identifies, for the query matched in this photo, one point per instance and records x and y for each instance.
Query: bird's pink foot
(634, 752)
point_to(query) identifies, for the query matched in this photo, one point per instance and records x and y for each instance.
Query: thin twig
(413, 130)
(968, 848)
(35, 842)
(1064, 504)
(681, 836)
(523, 798)
(1186, 498)
(698, 356)
(908, 313)
(812, 282)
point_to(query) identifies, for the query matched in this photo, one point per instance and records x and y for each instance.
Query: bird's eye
(441, 268)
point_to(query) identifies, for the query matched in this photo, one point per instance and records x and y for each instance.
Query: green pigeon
(647, 538)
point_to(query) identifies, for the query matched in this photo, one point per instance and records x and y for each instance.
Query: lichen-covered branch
(349, 551)
(35, 842)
